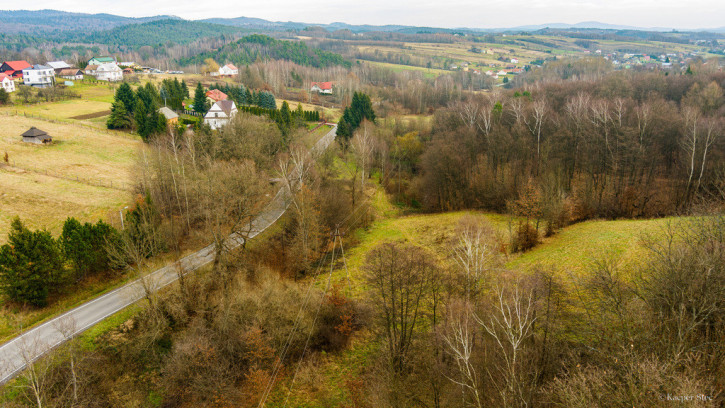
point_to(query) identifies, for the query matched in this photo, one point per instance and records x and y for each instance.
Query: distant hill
(46, 21)
(49, 22)
(156, 32)
(258, 23)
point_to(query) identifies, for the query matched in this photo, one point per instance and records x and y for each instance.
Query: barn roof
(103, 59)
(168, 113)
(70, 72)
(17, 65)
(58, 64)
(323, 85)
(34, 132)
(216, 95)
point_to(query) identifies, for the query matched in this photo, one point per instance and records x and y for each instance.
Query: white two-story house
(39, 76)
(228, 70)
(7, 83)
(220, 114)
(105, 72)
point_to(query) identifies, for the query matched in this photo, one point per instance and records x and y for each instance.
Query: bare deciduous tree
(459, 338)
(510, 324)
(474, 254)
(400, 277)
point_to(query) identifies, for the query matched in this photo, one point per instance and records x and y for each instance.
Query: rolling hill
(43, 21)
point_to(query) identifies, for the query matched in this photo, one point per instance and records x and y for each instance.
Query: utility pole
(120, 212)
(335, 236)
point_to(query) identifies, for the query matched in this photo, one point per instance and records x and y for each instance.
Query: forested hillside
(261, 47)
(155, 32)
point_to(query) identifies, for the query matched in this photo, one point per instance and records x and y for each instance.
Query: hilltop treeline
(165, 32)
(261, 47)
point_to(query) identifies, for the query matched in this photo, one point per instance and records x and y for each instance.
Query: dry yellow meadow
(44, 185)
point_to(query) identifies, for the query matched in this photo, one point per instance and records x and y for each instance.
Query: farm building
(36, 136)
(58, 66)
(39, 76)
(7, 83)
(322, 87)
(171, 117)
(220, 114)
(71, 73)
(14, 69)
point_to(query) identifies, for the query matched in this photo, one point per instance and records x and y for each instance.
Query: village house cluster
(13, 73)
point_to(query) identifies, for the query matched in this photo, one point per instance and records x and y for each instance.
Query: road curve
(32, 344)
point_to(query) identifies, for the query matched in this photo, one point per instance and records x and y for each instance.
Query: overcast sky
(436, 13)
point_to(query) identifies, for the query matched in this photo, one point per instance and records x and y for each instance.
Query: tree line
(139, 110)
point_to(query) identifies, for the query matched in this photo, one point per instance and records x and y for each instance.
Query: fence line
(59, 121)
(83, 180)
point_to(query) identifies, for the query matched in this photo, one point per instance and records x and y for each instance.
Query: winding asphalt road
(29, 346)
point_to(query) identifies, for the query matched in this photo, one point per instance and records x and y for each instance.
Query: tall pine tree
(31, 265)
(201, 105)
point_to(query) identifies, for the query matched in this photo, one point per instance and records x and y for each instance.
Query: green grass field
(569, 254)
(575, 249)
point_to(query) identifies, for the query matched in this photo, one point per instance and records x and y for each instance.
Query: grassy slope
(44, 201)
(576, 248)
(95, 98)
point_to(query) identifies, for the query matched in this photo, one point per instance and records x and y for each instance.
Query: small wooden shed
(171, 117)
(37, 136)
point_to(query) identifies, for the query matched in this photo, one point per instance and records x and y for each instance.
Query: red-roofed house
(215, 95)
(228, 70)
(6, 83)
(14, 69)
(322, 87)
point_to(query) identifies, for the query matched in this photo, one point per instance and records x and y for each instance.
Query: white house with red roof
(7, 83)
(228, 70)
(14, 69)
(321, 87)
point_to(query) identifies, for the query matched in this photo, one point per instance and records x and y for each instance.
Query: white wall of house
(108, 72)
(8, 85)
(317, 89)
(227, 70)
(39, 76)
(76, 77)
(217, 118)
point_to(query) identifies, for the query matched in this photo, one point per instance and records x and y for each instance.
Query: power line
(288, 342)
(314, 322)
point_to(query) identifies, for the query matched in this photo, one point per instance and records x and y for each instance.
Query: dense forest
(257, 47)
(165, 32)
